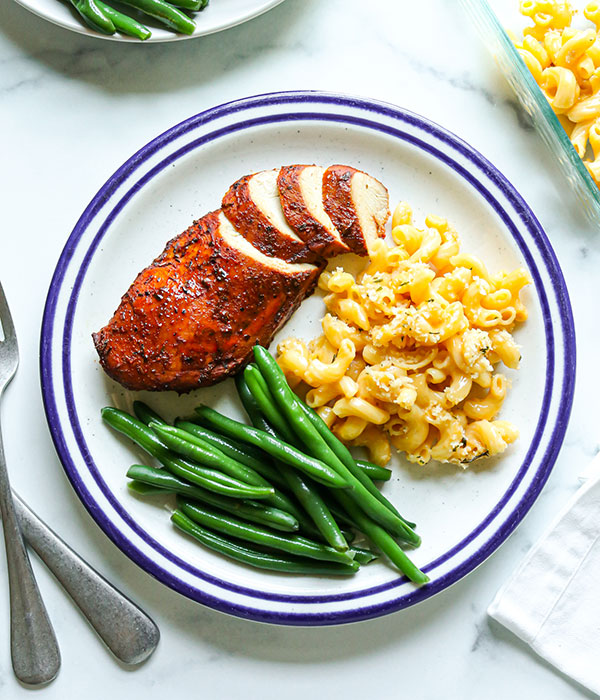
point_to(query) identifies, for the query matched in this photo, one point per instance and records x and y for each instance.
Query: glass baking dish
(535, 104)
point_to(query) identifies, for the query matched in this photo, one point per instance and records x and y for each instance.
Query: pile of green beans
(103, 18)
(244, 509)
(283, 494)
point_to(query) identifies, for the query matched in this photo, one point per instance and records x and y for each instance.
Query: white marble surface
(72, 109)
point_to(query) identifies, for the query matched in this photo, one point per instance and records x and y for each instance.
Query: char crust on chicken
(234, 277)
(301, 193)
(192, 317)
(358, 205)
(253, 206)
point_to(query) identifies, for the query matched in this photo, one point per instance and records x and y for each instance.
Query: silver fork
(34, 649)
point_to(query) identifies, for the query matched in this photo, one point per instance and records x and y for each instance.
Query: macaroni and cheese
(410, 348)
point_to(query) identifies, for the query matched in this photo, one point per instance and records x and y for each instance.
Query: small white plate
(219, 15)
(463, 516)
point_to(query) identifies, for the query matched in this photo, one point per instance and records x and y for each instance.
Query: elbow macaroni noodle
(565, 63)
(410, 347)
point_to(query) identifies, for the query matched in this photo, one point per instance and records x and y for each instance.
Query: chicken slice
(301, 194)
(253, 206)
(358, 205)
(190, 319)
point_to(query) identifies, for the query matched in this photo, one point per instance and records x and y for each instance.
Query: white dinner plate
(219, 15)
(463, 516)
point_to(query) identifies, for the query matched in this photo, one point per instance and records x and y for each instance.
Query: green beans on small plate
(102, 17)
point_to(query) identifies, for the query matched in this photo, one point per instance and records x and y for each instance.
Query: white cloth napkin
(552, 600)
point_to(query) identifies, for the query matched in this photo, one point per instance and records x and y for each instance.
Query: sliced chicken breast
(190, 319)
(253, 206)
(358, 205)
(301, 194)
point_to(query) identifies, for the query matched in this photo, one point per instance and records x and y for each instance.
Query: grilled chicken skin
(190, 319)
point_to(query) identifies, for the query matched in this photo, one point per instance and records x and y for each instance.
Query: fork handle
(125, 629)
(34, 649)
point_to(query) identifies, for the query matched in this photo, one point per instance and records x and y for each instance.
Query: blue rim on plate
(289, 107)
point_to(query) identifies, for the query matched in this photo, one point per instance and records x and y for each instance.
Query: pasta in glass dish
(411, 346)
(565, 63)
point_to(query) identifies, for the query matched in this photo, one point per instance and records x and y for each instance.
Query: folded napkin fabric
(552, 600)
